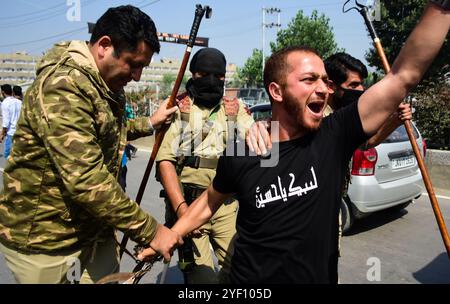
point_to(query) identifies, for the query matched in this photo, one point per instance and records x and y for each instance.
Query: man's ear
(276, 92)
(332, 87)
(104, 46)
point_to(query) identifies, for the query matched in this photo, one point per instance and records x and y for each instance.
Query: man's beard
(295, 108)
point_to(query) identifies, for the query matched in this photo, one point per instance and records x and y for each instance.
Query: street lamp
(270, 11)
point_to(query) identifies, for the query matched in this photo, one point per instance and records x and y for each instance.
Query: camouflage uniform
(60, 190)
(203, 132)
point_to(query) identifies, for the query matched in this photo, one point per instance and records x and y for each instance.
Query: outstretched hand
(404, 112)
(164, 243)
(258, 138)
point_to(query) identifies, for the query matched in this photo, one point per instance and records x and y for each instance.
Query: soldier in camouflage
(188, 157)
(61, 201)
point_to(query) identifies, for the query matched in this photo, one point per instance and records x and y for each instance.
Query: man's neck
(288, 127)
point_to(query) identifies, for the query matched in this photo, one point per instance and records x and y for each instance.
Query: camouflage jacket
(60, 189)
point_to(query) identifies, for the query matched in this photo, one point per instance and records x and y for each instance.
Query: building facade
(153, 74)
(18, 68)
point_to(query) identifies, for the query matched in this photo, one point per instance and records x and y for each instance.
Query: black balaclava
(350, 96)
(207, 90)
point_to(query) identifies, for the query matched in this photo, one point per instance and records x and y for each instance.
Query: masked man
(188, 159)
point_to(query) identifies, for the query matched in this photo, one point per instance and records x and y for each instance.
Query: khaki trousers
(86, 266)
(219, 234)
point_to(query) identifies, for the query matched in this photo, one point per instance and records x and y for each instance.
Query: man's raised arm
(424, 43)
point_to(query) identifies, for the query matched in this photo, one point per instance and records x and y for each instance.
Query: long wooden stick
(199, 13)
(423, 169)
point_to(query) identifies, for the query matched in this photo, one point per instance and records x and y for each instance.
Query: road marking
(439, 196)
(1, 170)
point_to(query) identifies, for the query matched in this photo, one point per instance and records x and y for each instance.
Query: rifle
(362, 9)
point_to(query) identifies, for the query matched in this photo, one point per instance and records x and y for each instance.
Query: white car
(382, 177)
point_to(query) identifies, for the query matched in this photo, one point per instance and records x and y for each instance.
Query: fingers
(405, 112)
(196, 233)
(266, 142)
(258, 138)
(165, 102)
(164, 243)
(248, 142)
(169, 114)
(253, 139)
(147, 254)
(172, 110)
(262, 146)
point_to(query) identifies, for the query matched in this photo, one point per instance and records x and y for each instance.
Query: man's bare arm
(393, 122)
(200, 211)
(169, 180)
(382, 99)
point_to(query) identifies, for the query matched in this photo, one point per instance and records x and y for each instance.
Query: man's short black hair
(6, 88)
(337, 66)
(17, 90)
(126, 25)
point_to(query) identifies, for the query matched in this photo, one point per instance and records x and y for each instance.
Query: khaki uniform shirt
(180, 136)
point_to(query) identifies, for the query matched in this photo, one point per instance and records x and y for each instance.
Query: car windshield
(400, 135)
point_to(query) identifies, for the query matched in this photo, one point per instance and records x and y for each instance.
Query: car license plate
(403, 162)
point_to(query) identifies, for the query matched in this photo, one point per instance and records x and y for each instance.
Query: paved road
(406, 245)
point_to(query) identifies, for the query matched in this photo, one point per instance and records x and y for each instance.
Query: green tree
(432, 113)
(313, 31)
(398, 18)
(251, 73)
(167, 84)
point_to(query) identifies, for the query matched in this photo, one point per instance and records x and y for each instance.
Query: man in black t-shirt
(287, 227)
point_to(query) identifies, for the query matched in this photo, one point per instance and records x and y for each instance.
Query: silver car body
(397, 177)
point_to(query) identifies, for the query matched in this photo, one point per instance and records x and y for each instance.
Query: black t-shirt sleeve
(349, 122)
(223, 181)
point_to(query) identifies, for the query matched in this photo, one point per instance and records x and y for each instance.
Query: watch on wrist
(445, 4)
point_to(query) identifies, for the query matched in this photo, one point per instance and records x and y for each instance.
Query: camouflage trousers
(85, 266)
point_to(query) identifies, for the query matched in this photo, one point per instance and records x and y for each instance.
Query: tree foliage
(251, 73)
(432, 113)
(398, 19)
(313, 31)
(167, 84)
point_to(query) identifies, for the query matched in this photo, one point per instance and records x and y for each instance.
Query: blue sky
(235, 27)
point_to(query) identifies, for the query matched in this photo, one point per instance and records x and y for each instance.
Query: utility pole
(270, 11)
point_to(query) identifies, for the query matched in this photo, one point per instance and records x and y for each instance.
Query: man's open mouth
(316, 106)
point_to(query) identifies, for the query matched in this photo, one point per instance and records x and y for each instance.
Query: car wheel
(347, 215)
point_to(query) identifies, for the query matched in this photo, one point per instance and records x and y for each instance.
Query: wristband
(183, 202)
